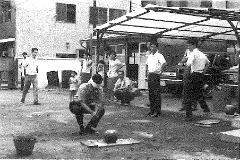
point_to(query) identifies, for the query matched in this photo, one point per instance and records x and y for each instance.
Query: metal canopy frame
(178, 23)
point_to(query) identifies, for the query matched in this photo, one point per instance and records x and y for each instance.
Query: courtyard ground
(57, 135)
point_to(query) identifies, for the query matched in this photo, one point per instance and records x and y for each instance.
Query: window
(177, 3)
(206, 4)
(183, 4)
(102, 15)
(66, 12)
(5, 11)
(65, 55)
(172, 4)
(144, 3)
(98, 15)
(115, 13)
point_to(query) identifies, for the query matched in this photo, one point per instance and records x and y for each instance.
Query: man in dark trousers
(186, 74)
(199, 64)
(155, 64)
(89, 101)
(23, 70)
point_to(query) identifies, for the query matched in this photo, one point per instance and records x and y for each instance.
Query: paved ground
(57, 130)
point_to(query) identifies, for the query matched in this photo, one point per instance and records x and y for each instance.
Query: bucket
(24, 145)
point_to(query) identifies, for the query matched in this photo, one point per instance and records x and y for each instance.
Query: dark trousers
(22, 82)
(79, 111)
(186, 75)
(194, 92)
(124, 95)
(154, 92)
(30, 79)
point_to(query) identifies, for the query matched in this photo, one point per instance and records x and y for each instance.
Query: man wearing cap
(155, 64)
(23, 70)
(199, 64)
(89, 101)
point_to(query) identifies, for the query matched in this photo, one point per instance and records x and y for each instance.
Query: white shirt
(197, 60)
(113, 66)
(124, 83)
(31, 66)
(86, 68)
(155, 62)
(21, 66)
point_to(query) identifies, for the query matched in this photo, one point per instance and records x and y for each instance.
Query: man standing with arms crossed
(155, 64)
(31, 66)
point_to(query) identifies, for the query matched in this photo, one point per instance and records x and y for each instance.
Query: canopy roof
(179, 23)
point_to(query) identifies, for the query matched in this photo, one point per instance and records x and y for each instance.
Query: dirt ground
(57, 135)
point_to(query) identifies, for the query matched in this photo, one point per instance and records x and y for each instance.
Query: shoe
(22, 101)
(81, 130)
(156, 115)
(89, 130)
(149, 114)
(36, 103)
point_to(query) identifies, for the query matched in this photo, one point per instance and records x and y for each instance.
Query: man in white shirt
(114, 66)
(31, 66)
(186, 75)
(155, 65)
(123, 89)
(23, 70)
(89, 101)
(199, 64)
(86, 68)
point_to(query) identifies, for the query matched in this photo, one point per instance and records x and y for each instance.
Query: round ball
(111, 136)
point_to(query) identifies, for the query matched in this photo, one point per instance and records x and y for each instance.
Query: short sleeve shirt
(154, 62)
(89, 94)
(123, 83)
(86, 68)
(197, 60)
(113, 66)
(22, 64)
(31, 66)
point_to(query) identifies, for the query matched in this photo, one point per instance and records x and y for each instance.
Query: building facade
(55, 27)
(229, 4)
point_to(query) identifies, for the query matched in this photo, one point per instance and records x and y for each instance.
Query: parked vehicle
(219, 61)
(230, 76)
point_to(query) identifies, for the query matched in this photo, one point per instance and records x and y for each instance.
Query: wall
(37, 27)
(53, 64)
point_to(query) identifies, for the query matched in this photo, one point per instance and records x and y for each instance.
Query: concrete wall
(53, 64)
(36, 25)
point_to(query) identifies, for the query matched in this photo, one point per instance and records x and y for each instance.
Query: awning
(7, 40)
(180, 23)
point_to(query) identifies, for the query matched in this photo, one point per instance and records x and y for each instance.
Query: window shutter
(71, 13)
(102, 15)
(61, 11)
(93, 14)
(206, 4)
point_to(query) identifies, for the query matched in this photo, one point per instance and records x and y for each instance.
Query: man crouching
(89, 101)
